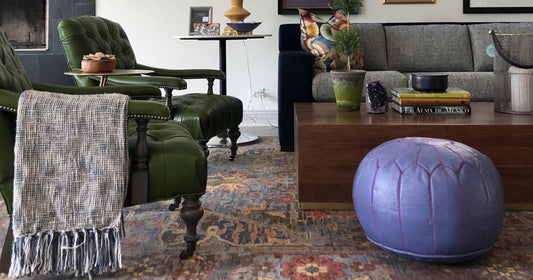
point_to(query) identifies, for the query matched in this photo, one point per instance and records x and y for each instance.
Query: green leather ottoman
(205, 116)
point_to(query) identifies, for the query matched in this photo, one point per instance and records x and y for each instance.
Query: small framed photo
(200, 15)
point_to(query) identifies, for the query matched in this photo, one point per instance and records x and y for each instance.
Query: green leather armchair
(204, 114)
(166, 160)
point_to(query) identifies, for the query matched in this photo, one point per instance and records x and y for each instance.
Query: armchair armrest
(185, 73)
(8, 100)
(295, 79)
(137, 92)
(147, 110)
(136, 108)
(165, 82)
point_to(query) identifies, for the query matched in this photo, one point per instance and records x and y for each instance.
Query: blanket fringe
(80, 252)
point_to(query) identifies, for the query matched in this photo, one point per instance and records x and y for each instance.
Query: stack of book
(451, 101)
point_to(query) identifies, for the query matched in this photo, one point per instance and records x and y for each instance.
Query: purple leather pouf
(429, 199)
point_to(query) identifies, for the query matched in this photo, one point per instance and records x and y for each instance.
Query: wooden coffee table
(330, 144)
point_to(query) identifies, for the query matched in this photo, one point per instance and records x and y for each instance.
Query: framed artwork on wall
(497, 6)
(25, 24)
(408, 1)
(199, 15)
(290, 7)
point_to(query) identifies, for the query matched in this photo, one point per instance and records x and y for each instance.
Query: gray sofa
(391, 52)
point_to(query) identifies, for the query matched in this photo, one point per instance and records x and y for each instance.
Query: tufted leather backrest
(83, 35)
(13, 76)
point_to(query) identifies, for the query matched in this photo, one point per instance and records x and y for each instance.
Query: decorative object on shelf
(429, 199)
(243, 28)
(206, 29)
(235, 14)
(376, 98)
(513, 69)
(347, 84)
(98, 63)
(430, 82)
(521, 89)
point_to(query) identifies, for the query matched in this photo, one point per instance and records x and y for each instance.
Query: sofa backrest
(482, 42)
(86, 34)
(374, 46)
(439, 46)
(429, 47)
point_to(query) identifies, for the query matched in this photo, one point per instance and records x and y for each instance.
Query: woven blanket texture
(71, 175)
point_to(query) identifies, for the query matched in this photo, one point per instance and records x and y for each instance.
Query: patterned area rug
(252, 229)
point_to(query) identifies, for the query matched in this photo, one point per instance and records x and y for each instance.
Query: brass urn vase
(236, 13)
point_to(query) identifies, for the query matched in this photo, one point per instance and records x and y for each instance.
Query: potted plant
(348, 84)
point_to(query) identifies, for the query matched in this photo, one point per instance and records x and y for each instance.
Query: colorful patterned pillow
(317, 39)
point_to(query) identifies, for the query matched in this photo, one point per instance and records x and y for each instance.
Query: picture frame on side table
(409, 1)
(496, 7)
(200, 15)
(290, 7)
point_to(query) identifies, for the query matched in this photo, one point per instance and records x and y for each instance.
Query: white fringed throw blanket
(71, 172)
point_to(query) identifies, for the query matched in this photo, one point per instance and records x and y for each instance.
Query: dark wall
(48, 66)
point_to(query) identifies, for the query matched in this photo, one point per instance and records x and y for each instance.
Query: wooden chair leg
(176, 204)
(191, 212)
(5, 259)
(168, 97)
(140, 175)
(234, 133)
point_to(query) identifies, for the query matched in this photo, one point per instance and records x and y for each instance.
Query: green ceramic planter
(348, 88)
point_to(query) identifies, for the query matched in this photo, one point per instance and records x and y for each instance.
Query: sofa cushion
(322, 88)
(443, 47)
(482, 46)
(374, 45)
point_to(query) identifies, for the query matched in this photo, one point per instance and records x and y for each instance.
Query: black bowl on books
(430, 82)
